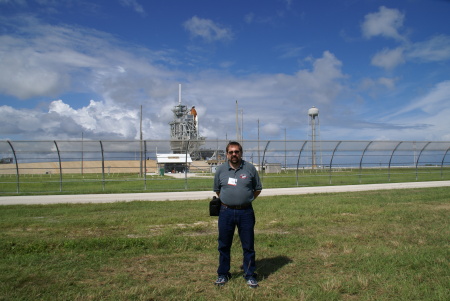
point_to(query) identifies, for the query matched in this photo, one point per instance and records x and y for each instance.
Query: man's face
(234, 154)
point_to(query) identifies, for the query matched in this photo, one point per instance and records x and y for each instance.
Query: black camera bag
(214, 206)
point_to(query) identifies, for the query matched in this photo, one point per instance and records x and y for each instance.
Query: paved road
(199, 195)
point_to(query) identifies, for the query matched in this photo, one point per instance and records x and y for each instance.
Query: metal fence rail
(61, 166)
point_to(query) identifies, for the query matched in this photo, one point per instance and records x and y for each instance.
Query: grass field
(377, 245)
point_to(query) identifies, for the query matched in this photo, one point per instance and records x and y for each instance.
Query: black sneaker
(251, 282)
(221, 280)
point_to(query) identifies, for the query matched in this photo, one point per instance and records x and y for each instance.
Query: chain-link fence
(86, 166)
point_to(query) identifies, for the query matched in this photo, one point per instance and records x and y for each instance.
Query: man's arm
(216, 183)
(256, 193)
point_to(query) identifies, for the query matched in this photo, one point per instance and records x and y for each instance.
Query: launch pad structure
(184, 130)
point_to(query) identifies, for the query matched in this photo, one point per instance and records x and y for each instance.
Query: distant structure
(313, 114)
(184, 131)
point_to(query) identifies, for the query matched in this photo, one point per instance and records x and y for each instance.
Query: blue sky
(377, 70)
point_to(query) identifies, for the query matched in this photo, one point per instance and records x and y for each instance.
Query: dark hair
(234, 143)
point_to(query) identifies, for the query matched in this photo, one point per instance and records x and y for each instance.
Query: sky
(376, 70)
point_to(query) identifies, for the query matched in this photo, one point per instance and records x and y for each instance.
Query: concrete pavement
(199, 195)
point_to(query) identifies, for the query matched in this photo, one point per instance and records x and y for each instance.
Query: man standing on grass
(237, 184)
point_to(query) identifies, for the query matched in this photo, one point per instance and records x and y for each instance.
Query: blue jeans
(244, 220)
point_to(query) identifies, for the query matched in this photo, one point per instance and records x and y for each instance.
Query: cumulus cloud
(100, 117)
(25, 123)
(435, 49)
(96, 120)
(323, 82)
(386, 23)
(207, 30)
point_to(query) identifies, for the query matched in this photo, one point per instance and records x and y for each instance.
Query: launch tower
(184, 131)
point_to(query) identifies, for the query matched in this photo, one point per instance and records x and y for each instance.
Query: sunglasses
(234, 152)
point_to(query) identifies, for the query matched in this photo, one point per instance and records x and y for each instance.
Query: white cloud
(388, 58)
(434, 49)
(214, 95)
(45, 61)
(51, 60)
(134, 5)
(424, 118)
(85, 117)
(271, 129)
(122, 77)
(43, 64)
(374, 86)
(386, 23)
(98, 119)
(432, 103)
(24, 75)
(323, 82)
(289, 51)
(387, 82)
(207, 30)
(276, 100)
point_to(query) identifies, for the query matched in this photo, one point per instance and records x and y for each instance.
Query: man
(237, 184)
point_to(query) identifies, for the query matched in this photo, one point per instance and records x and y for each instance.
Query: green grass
(377, 245)
(125, 182)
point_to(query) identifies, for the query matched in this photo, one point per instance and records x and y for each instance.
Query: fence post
(442, 162)
(417, 161)
(145, 165)
(103, 166)
(186, 166)
(390, 159)
(17, 166)
(360, 162)
(298, 160)
(262, 162)
(60, 167)
(332, 156)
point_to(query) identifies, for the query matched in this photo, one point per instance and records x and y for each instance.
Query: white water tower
(313, 114)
